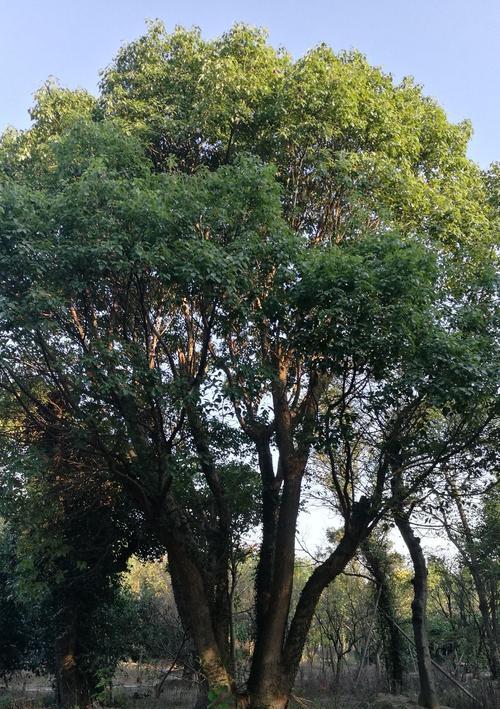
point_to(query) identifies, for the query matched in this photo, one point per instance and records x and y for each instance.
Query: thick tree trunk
(191, 600)
(266, 672)
(428, 697)
(195, 588)
(265, 569)
(272, 698)
(72, 687)
(220, 535)
(270, 510)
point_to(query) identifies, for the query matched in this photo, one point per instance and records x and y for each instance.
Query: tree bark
(266, 672)
(273, 697)
(194, 609)
(378, 562)
(427, 697)
(72, 687)
(270, 508)
(220, 537)
(270, 680)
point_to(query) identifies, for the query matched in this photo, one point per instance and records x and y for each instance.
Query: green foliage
(220, 229)
(14, 630)
(336, 129)
(453, 615)
(220, 697)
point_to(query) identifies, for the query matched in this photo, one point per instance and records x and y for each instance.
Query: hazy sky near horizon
(451, 47)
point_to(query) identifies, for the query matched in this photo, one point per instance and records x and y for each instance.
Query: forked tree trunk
(427, 697)
(272, 685)
(277, 652)
(266, 679)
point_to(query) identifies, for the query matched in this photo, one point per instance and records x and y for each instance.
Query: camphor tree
(229, 246)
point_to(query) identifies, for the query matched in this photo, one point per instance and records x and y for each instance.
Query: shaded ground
(134, 688)
(133, 684)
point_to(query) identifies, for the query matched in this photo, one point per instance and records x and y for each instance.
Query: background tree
(381, 562)
(74, 533)
(16, 632)
(468, 510)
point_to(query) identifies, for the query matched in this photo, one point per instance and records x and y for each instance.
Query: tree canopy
(231, 263)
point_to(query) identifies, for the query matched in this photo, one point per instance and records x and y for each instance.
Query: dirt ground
(134, 685)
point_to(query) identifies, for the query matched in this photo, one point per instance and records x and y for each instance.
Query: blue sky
(449, 46)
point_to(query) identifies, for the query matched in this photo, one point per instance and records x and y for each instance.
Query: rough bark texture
(273, 699)
(191, 599)
(72, 687)
(428, 697)
(219, 539)
(268, 683)
(266, 672)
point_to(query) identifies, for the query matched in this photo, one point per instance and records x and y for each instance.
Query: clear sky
(449, 46)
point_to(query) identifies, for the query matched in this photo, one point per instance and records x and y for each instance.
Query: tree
(427, 696)
(474, 535)
(299, 252)
(380, 563)
(74, 532)
(13, 618)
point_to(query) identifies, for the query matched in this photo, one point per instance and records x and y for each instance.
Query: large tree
(231, 260)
